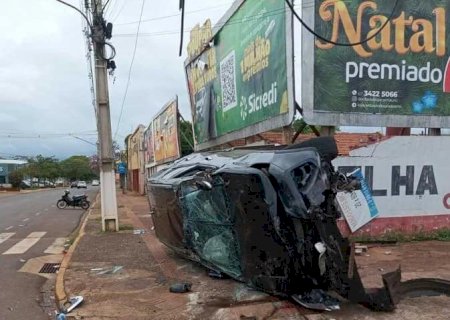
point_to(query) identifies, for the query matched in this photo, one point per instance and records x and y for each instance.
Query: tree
(186, 138)
(300, 123)
(43, 168)
(77, 168)
(15, 178)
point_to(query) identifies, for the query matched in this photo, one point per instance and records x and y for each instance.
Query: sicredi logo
(255, 103)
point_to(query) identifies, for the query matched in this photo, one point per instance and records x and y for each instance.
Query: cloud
(44, 84)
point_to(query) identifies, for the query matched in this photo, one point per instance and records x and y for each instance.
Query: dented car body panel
(263, 217)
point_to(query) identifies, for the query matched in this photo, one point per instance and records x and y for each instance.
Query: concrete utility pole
(110, 221)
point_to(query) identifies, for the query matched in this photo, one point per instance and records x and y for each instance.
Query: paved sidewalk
(140, 288)
(127, 276)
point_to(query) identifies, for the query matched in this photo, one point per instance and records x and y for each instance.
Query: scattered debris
(381, 269)
(61, 316)
(217, 274)
(96, 269)
(358, 252)
(138, 231)
(180, 287)
(74, 302)
(23, 260)
(152, 228)
(112, 270)
(362, 248)
(388, 252)
(317, 299)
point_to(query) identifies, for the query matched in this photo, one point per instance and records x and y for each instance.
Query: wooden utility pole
(110, 221)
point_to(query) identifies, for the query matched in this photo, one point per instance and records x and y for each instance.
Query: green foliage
(186, 138)
(77, 168)
(440, 235)
(41, 167)
(300, 123)
(15, 178)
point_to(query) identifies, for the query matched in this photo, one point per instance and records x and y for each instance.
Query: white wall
(424, 166)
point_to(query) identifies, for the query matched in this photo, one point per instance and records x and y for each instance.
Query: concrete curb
(60, 291)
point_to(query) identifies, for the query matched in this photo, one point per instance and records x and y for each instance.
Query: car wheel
(61, 204)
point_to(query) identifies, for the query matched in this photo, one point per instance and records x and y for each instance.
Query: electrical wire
(79, 11)
(119, 12)
(129, 71)
(104, 6)
(310, 30)
(228, 23)
(173, 15)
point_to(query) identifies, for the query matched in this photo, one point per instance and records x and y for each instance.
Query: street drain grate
(50, 268)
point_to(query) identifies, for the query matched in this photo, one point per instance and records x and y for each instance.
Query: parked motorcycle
(75, 201)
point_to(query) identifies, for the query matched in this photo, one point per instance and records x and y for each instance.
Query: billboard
(240, 74)
(399, 77)
(165, 133)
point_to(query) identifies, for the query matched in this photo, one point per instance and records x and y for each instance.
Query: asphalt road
(31, 226)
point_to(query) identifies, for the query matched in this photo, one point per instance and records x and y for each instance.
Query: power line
(86, 132)
(310, 30)
(119, 12)
(173, 15)
(129, 71)
(270, 13)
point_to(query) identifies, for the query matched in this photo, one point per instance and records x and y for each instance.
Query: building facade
(6, 167)
(136, 163)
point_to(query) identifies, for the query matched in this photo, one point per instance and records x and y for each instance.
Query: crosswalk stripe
(5, 236)
(56, 247)
(25, 244)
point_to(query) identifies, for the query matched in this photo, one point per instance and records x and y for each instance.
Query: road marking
(37, 213)
(5, 236)
(26, 219)
(57, 246)
(9, 228)
(25, 244)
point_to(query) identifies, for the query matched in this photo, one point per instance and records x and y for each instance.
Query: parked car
(25, 184)
(74, 184)
(49, 184)
(95, 183)
(81, 184)
(266, 218)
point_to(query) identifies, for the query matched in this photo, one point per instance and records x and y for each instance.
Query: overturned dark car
(267, 217)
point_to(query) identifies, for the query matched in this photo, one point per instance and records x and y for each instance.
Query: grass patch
(439, 235)
(125, 226)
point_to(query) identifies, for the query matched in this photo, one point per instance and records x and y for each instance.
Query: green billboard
(240, 74)
(394, 75)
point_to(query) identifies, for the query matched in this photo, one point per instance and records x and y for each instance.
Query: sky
(45, 97)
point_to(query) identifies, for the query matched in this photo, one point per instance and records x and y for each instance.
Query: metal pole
(110, 221)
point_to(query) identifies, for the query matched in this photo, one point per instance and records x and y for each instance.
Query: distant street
(31, 226)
